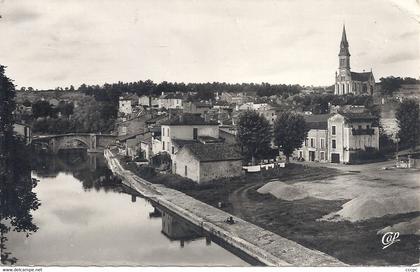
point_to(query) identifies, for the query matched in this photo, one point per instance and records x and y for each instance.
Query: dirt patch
(355, 243)
(371, 206)
(283, 191)
(404, 228)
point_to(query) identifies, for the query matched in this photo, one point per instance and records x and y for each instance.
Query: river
(85, 219)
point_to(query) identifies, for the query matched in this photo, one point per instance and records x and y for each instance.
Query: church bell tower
(344, 55)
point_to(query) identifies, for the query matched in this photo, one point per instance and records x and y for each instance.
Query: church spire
(344, 45)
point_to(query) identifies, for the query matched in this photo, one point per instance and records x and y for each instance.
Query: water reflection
(86, 218)
(16, 195)
(88, 168)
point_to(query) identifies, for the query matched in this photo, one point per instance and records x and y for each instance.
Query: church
(348, 82)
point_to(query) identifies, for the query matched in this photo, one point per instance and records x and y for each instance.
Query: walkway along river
(85, 220)
(264, 246)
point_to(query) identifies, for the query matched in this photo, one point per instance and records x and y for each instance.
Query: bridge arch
(65, 140)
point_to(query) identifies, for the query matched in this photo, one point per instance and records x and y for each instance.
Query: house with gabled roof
(314, 148)
(203, 162)
(185, 127)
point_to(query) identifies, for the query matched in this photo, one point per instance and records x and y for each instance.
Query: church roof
(365, 76)
(344, 45)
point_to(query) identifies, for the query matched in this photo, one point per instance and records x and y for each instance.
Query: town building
(170, 101)
(125, 106)
(348, 82)
(128, 127)
(338, 136)
(149, 101)
(234, 98)
(315, 146)
(196, 108)
(349, 132)
(228, 134)
(202, 162)
(23, 131)
(184, 127)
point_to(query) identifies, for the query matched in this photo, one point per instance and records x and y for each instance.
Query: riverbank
(266, 247)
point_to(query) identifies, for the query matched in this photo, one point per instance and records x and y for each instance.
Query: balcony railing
(362, 131)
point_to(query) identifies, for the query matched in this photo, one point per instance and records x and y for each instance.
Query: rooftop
(358, 116)
(187, 119)
(317, 121)
(172, 96)
(365, 76)
(214, 152)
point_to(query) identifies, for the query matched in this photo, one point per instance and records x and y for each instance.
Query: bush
(145, 171)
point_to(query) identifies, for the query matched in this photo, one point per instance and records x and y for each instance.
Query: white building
(125, 106)
(186, 127)
(170, 101)
(148, 101)
(349, 133)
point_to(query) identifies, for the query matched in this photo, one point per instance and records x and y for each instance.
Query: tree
(7, 106)
(16, 196)
(254, 134)
(42, 108)
(289, 132)
(390, 84)
(408, 121)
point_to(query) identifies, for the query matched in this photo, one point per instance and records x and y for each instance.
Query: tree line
(17, 200)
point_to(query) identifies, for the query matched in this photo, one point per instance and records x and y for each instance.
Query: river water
(84, 220)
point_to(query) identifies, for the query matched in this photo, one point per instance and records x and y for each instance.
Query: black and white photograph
(198, 134)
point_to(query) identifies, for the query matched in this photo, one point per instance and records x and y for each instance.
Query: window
(173, 150)
(333, 130)
(306, 142)
(333, 144)
(163, 133)
(322, 143)
(186, 171)
(312, 142)
(175, 167)
(300, 154)
(360, 127)
(163, 145)
(195, 133)
(168, 133)
(322, 155)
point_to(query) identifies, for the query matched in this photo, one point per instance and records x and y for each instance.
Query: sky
(50, 43)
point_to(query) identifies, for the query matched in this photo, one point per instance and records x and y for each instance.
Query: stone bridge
(89, 141)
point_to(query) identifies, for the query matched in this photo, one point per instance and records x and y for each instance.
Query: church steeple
(344, 54)
(344, 45)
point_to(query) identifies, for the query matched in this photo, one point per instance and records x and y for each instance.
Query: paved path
(265, 246)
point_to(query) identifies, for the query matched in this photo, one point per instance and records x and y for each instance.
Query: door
(195, 133)
(335, 158)
(312, 155)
